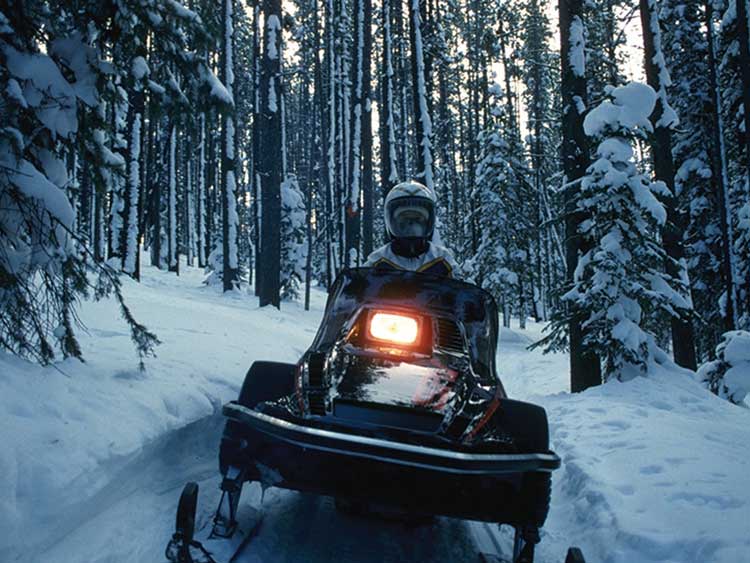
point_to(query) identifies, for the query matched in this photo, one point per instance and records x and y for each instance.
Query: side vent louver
(317, 403)
(316, 396)
(449, 336)
(315, 365)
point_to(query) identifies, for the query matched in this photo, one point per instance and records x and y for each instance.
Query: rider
(410, 222)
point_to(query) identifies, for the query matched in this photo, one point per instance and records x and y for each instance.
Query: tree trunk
(230, 221)
(421, 111)
(388, 172)
(355, 145)
(271, 156)
(743, 37)
(367, 156)
(585, 367)
(201, 187)
(331, 141)
(131, 211)
(719, 177)
(173, 260)
(661, 147)
(255, 178)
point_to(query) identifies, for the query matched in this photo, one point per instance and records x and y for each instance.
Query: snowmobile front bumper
(493, 487)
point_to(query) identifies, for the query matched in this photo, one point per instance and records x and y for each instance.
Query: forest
(591, 160)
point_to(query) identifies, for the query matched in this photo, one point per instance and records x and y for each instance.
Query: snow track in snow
(132, 517)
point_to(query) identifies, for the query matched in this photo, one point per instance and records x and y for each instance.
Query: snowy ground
(94, 455)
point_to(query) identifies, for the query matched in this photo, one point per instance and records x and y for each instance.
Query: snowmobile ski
(222, 544)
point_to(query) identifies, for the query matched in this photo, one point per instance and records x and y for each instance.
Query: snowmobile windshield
(436, 296)
(411, 217)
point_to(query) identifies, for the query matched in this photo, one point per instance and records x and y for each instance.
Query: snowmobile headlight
(389, 327)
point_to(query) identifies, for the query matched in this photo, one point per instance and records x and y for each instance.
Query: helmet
(410, 218)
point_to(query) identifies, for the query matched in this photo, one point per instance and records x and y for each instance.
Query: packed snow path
(95, 455)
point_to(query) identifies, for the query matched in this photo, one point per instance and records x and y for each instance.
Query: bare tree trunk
(271, 157)
(388, 172)
(173, 260)
(719, 177)
(331, 147)
(743, 37)
(585, 367)
(421, 110)
(201, 195)
(356, 119)
(367, 155)
(683, 339)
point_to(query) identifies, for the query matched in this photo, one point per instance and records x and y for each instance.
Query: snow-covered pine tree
(728, 376)
(539, 99)
(44, 264)
(501, 230)
(293, 246)
(620, 283)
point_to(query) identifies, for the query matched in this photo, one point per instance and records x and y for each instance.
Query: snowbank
(654, 469)
(64, 429)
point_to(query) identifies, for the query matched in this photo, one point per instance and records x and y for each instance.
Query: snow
(738, 348)
(631, 108)
(576, 55)
(68, 431)
(272, 103)
(140, 68)
(80, 58)
(33, 184)
(233, 220)
(94, 455)
(13, 89)
(728, 375)
(45, 89)
(5, 24)
(183, 12)
(217, 90)
(274, 27)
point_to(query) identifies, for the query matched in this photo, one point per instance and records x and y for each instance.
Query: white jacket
(438, 260)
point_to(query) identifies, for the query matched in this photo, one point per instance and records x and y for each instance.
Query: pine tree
(620, 282)
(293, 247)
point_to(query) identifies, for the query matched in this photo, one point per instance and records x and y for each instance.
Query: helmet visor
(411, 217)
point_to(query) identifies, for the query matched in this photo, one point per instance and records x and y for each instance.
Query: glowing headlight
(399, 329)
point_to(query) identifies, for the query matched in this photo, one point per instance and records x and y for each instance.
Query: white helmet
(410, 217)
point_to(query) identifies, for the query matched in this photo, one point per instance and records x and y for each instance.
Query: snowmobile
(397, 404)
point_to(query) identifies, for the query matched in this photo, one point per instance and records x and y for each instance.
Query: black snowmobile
(396, 404)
